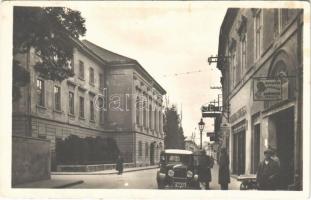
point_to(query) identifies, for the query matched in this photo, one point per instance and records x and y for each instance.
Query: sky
(166, 39)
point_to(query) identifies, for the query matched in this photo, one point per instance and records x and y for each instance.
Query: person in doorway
(205, 169)
(274, 156)
(119, 164)
(267, 173)
(223, 173)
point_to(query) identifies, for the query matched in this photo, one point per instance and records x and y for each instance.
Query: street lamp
(201, 127)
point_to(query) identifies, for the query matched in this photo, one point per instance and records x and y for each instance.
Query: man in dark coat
(267, 173)
(223, 173)
(205, 165)
(119, 165)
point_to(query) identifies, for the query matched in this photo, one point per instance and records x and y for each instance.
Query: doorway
(284, 127)
(239, 152)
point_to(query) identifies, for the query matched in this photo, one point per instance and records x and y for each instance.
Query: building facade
(191, 146)
(99, 100)
(260, 57)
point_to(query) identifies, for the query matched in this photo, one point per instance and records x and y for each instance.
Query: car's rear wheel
(160, 186)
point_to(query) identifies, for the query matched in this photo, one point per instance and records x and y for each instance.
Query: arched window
(284, 69)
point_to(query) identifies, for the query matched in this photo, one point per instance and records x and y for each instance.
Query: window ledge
(92, 84)
(41, 107)
(82, 79)
(71, 115)
(92, 120)
(81, 118)
(58, 111)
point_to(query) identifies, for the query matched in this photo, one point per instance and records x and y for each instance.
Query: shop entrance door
(239, 153)
(284, 122)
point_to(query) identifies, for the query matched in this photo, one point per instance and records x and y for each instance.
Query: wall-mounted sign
(238, 114)
(267, 89)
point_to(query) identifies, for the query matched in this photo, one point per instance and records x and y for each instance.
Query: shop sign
(267, 89)
(237, 115)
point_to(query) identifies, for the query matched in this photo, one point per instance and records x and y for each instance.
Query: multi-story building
(260, 57)
(135, 107)
(99, 100)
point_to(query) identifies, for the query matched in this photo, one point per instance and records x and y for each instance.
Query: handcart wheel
(244, 185)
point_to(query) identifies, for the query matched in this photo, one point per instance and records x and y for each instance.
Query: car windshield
(177, 158)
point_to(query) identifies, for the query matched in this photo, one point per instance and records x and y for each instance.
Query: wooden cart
(248, 181)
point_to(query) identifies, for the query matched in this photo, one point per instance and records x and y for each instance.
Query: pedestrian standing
(274, 156)
(205, 163)
(119, 165)
(223, 173)
(267, 173)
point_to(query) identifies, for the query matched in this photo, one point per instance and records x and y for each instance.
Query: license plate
(180, 185)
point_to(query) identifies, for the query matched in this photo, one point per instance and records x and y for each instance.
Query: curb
(69, 184)
(101, 173)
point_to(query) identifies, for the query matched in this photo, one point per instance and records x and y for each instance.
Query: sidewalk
(51, 183)
(104, 172)
(233, 185)
(57, 181)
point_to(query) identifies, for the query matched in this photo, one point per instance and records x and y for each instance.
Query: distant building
(260, 58)
(191, 146)
(110, 96)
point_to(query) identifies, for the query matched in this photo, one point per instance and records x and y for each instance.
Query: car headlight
(189, 174)
(170, 173)
(196, 177)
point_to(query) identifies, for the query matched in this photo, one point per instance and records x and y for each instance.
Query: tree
(50, 31)
(174, 137)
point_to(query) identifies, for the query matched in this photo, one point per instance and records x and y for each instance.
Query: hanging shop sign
(267, 89)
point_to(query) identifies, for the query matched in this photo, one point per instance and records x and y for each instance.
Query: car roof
(177, 151)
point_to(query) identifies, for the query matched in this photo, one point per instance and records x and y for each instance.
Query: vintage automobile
(177, 170)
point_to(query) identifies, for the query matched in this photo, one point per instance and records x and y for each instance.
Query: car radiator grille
(182, 173)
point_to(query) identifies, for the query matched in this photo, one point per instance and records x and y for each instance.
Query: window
(40, 92)
(91, 76)
(100, 106)
(145, 113)
(81, 70)
(81, 106)
(57, 98)
(101, 81)
(91, 110)
(160, 122)
(258, 33)
(71, 103)
(150, 116)
(233, 68)
(243, 54)
(146, 149)
(276, 22)
(138, 110)
(284, 17)
(155, 120)
(140, 148)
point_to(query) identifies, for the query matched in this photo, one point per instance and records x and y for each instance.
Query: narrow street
(144, 179)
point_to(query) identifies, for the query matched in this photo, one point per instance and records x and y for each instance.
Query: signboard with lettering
(267, 89)
(238, 114)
